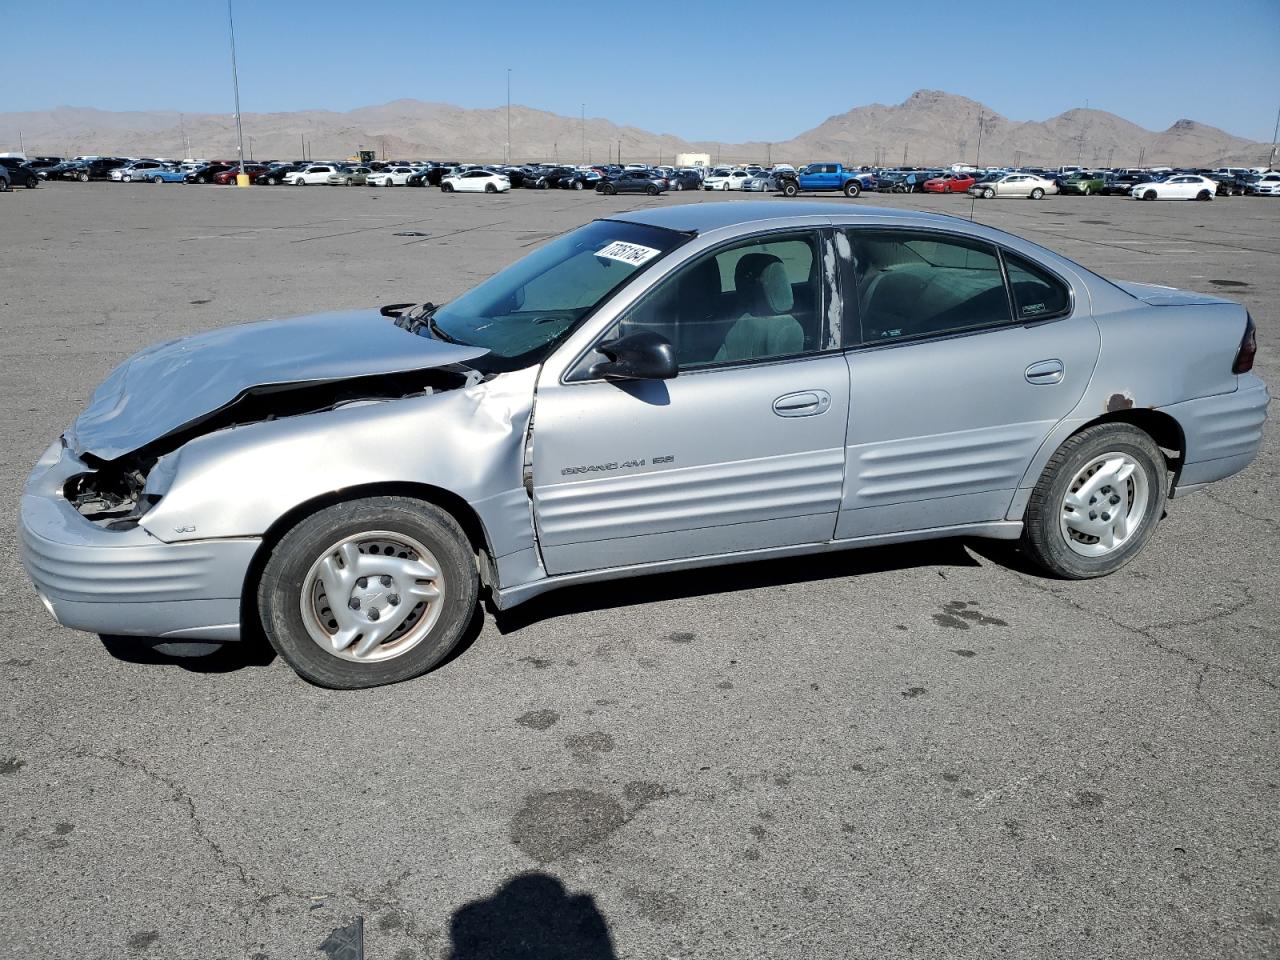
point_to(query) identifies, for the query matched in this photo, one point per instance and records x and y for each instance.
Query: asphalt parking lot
(925, 751)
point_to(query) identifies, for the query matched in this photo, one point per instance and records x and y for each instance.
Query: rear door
(953, 388)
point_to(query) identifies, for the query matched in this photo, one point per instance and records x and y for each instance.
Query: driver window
(757, 300)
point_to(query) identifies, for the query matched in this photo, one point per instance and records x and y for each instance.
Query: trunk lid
(1160, 296)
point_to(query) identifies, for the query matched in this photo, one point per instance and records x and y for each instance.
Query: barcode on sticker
(631, 253)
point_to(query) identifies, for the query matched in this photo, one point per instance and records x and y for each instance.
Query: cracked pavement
(924, 750)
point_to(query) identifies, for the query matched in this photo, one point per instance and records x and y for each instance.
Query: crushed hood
(177, 384)
(1159, 296)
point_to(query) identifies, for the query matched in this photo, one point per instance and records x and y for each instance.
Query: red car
(227, 177)
(950, 183)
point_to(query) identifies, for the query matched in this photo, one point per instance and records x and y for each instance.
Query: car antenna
(973, 197)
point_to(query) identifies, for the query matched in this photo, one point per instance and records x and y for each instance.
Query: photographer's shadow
(531, 917)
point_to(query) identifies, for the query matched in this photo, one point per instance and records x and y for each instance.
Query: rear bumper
(125, 582)
(1223, 433)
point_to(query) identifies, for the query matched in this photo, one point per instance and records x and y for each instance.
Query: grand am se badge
(614, 465)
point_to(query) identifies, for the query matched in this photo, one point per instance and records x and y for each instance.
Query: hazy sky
(726, 70)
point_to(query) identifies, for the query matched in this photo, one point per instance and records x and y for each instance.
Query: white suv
(316, 173)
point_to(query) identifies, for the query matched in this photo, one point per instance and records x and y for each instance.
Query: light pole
(235, 85)
(1271, 164)
(508, 150)
(584, 133)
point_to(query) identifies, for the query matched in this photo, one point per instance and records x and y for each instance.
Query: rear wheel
(852, 188)
(652, 191)
(157, 179)
(490, 188)
(1037, 194)
(369, 592)
(790, 188)
(1097, 502)
(578, 185)
(446, 188)
(1204, 195)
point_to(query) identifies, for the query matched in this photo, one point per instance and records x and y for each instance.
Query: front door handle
(1045, 371)
(806, 403)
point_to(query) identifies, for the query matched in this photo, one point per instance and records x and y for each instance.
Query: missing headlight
(113, 498)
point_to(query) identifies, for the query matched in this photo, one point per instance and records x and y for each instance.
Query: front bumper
(125, 582)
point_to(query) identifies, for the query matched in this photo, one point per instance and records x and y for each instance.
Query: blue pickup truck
(826, 178)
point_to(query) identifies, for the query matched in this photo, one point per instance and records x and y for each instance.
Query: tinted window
(755, 300)
(917, 284)
(1037, 294)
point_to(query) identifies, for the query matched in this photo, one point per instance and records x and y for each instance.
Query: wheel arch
(453, 504)
(1162, 427)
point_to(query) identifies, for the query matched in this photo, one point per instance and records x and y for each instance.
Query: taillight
(1248, 348)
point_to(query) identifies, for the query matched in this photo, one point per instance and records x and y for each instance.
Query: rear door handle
(806, 403)
(1045, 371)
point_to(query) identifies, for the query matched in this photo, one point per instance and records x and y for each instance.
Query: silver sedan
(662, 390)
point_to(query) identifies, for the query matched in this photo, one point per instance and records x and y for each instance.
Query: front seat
(767, 328)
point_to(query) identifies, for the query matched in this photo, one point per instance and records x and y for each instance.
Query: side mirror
(638, 356)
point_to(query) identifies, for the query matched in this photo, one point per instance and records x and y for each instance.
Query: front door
(743, 450)
(955, 387)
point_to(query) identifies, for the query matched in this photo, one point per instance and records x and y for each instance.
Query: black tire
(652, 191)
(609, 189)
(490, 188)
(4, 185)
(852, 189)
(790, 188)
(679, 185)
(157, 179)
(83, 178)
(1150, 195)
(1204, 195)
(279, 589)
(1037, 194)
(272, 181)
(1042, 536)
(988, 193)
(578, 185)
(446, 188)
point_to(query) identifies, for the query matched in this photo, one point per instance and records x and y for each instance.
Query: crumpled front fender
(238, 482)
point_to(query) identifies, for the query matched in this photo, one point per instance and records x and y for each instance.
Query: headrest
(775, 289)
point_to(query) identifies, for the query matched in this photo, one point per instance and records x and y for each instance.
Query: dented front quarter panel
(469, 442)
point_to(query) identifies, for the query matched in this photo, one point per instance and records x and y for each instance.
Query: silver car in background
(662, 390)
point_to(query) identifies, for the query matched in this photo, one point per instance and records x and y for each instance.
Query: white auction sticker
(631, 253)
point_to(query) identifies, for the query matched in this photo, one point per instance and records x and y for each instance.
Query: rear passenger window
(1037, 295)
(921, 284)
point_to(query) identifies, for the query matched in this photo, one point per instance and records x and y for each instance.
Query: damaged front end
(168, 395)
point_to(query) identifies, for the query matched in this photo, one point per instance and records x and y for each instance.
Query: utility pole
(251, 149)
(584, 133)
(1271, 164)
(508, 148)
(303, 138)
(619, 152)
(21, 146)
(235, 84)
(904, 154)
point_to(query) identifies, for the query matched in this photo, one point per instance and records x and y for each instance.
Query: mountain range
(929, 128)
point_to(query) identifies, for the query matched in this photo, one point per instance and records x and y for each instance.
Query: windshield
(520, 314)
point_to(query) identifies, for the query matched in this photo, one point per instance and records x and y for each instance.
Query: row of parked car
(1032, 182)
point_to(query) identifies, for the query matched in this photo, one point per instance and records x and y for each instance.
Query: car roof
(704, 217)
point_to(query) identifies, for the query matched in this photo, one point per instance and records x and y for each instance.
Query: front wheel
(988, 193)
(1149, 195)
(368, 592)
(609, 189)
(578, 185)
(852, 188)
(790, 189)
(652, 191)
(1037, 194)
(446, 188)
(157, 179)
(83, 178)
(1097, 502)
